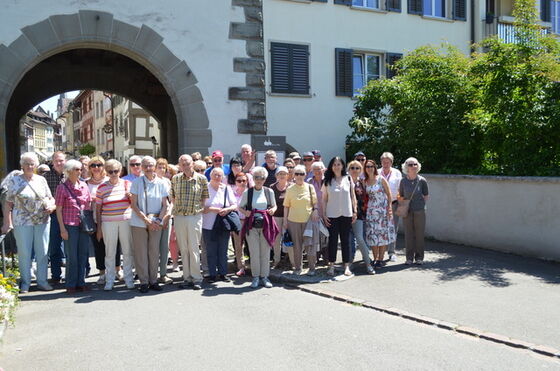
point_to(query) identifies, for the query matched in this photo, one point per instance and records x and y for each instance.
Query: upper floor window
(434, 8)
(555, 16)
(366, 67)
(373, 4)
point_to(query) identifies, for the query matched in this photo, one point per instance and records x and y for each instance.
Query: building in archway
(40, 133)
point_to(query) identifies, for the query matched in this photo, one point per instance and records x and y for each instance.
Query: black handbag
(229, 222)
(258, 218)
(87, 224)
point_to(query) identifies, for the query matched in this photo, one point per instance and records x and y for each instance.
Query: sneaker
(130, 285)
(240, 273)
(120, 275)
(196, 286)
(266, 282)
(419, 262)
(347, 271)
(311, 273)
(156, 287)
(393, 258)
(45, 287)
(255, 282)
(23, 290)
(143, 288)
(408, 262)
(370, 269)
(330, 271)
(297, 272)
(176, 268)
(101, 279)
(108, 287)
(165, 280)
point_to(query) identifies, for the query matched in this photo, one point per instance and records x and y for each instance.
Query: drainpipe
(472, 27)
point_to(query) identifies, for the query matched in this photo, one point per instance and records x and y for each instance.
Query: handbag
(87, 224)
(258, 218)
(404, 205)
(229, 222)
(38, 215)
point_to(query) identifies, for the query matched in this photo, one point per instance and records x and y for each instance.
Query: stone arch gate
(91, 49)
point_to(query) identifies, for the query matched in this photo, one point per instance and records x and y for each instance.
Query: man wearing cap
(217, 161)
(317, 155)
(308, 160)
(296, 157)
(361, 158)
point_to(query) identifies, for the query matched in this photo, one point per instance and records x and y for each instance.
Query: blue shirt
(156, 190)
(225, 168)
(130, 177)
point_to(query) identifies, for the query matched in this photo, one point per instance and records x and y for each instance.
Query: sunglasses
(258, 177)
(290, 167)
(95, 165)
(135, 164)
(299, 174)
(219, 159)
(111, 172)
(360, 159)
(241, 181)
(370, 167)
(307, 159)
(412, 165)
(199, 170)
(355, 168)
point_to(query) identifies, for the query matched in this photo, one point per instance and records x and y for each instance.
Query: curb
(448, 326)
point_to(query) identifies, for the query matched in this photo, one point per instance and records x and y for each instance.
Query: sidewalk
(493, 292)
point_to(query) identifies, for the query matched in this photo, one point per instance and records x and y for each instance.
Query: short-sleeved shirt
(26, 202)
(238, 195)
(394, 180)
(188, 193)
(156, 191)
(216, 199)
(279, 197)
(130, 177)
(319, 192)
(300, 199)
(114, 201)
(406, 187)
(70, 206)
(259, 199)
(92, 185)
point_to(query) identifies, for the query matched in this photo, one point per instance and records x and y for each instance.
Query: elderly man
(296, 157)
(134, 168)
(85, 169)
(189, 191)
(308, 160)
(217, 161)
(54, 178)
(248, 157)
(393, 177)
(271, 166)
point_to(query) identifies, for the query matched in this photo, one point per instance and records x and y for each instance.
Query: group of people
(300, 208)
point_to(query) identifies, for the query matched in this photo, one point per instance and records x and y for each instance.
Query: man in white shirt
(393, 177)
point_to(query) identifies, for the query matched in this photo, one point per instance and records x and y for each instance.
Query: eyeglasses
(134, 164)
(256, 177)
(412, 165)
(299, 174)
(209, 163)
(290, 167)
(217, 159)
(241, 180)
(361, 159)
(307, 159)
(355, 168)
(199, 170)
(111, 172)
(370, 167)
(95, 165)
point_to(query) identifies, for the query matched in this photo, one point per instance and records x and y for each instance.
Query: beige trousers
(260, 253)
(146, 254)
(296, 232)
(188, 230)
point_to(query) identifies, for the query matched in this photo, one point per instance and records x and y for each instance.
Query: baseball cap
(316, 152)
(282, 169)
(307, 154)
(359, 153)
(294, 155)
(217, 153)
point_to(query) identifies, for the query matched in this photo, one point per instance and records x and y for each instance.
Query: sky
(49, 105)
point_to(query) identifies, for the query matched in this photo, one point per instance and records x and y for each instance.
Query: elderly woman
(414, 187)
(300, 204)
(221, 202)
(71, 197)
(393, 177)
(27, 208)
(258, 205)
(149, 205)
(113, 222)
(339, 211)
(290, 165)
(241, 182)
(355, 169)
(236, 167)
(316, 180)
(162, 167)
(279, 189)
(380, 229)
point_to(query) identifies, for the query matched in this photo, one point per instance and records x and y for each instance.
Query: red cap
(217, 153)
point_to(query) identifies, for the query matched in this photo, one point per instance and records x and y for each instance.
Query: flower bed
(8, 295)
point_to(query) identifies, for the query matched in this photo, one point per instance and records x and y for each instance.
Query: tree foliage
(495, 113)
(87, 150)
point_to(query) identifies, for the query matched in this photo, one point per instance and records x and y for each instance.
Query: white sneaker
(370, 269)
(108, 287)
(393, 258)
(255, 282)
(120, 275)
(266, 283)
(101, 279)
(347, 271)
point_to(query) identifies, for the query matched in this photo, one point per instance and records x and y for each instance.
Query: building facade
(39, 132)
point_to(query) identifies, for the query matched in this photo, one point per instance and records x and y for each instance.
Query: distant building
(40, 133)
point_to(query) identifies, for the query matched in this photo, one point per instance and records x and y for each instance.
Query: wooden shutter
(390, 60)
(343, 2)
(415, 7)
(545, 11)
(393, 5)
(344, 72)
(289, 65)
(460, 10)
(320, 1)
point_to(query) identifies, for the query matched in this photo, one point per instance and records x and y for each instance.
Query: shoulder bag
(229, 222)
(404, 205)
(86, 216)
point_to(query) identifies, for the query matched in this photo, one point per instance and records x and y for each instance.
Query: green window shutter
(393, 5)
(390, 60)
(289, 66)
(320, 1)
(415, 7)
(344, 72)
(460, 10)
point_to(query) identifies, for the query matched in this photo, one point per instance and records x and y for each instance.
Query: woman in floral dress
(380, 230)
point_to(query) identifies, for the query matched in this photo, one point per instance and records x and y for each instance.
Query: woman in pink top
(113, 223)
(241, 181)
(71, 197)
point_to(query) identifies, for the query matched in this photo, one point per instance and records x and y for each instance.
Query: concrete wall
(510, 214)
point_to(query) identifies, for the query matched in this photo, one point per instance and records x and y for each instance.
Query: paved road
(495, 292)
(230, 326)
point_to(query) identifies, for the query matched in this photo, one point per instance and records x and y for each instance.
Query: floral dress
(380, 229)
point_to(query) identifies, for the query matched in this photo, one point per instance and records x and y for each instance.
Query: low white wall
(511, 214)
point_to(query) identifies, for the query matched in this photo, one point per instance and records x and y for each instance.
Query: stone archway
(65, 41)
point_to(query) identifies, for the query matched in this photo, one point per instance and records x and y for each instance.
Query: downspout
(472, 27)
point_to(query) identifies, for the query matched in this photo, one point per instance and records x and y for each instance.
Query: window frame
(364, 73)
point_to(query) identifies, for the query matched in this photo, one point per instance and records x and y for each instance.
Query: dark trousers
(414, 226)
(76, 248)
(340, 226)
(216, 250)
(99, 248)
(55, 248)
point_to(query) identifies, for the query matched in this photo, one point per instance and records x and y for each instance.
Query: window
(373, 4)
(434, 8)
(365, 67)
(439, 8)
(555, 16)
(289, 68)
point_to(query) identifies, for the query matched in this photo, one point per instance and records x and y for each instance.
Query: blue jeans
(77, 252)
(358, 233)
(216, 249)
(55, 248)
(29, 239)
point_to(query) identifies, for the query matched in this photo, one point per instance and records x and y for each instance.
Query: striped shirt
(188, 193)
(114, 201)
(71, 208)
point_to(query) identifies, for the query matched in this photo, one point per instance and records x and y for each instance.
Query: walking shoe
(156, 287)
(130, 285)
(71, 290)
(120, 275)
(393, 258)
(370, 269)
(143, 288)
(255, 282)
(240, 273)
(175, 267)
(330, 271)
(419, 262)
(108, 287)
(311, 273)
(186, 285)
(347, 271)
(297, 272)
(165, 280)
(223, 278)
(45, 287)
(101, 279)
(83, 288)
(408, 262)
(23, 290)
(196, 286)
(266, 282)
(211, 279)
(55, 281)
